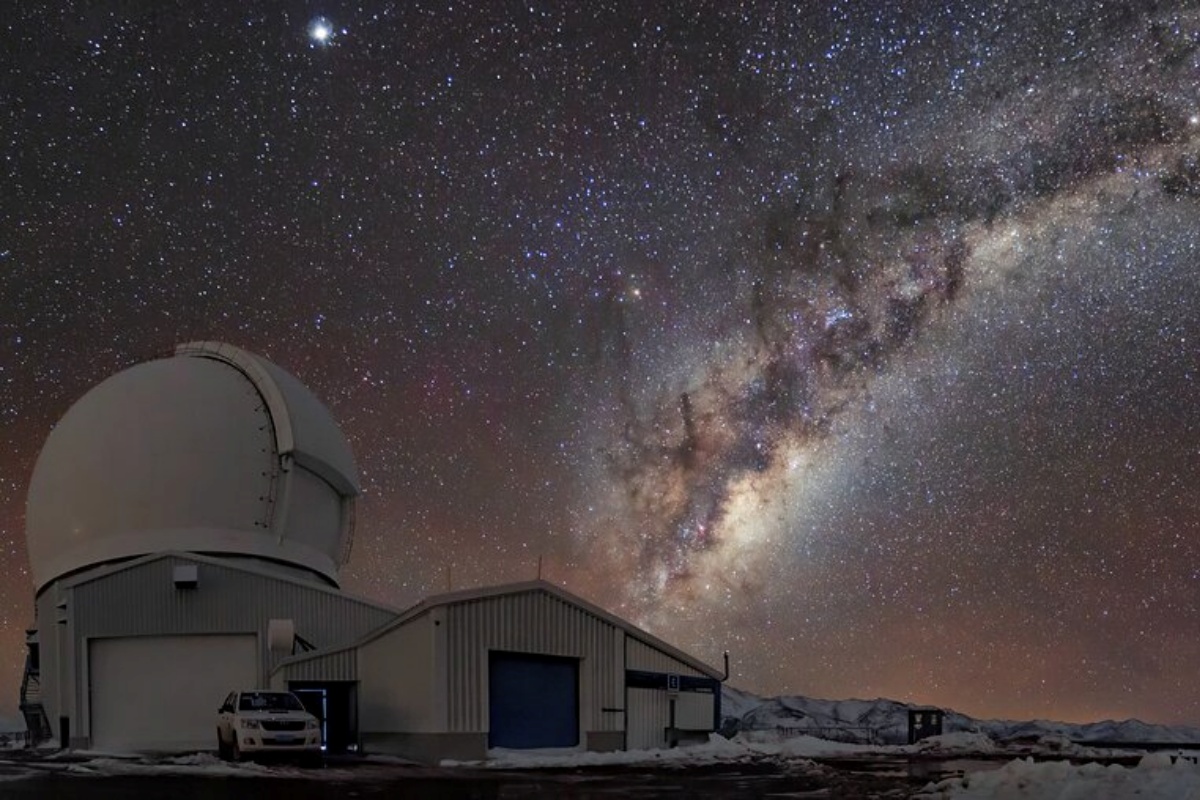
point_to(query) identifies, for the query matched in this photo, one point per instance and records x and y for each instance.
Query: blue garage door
(533, 701)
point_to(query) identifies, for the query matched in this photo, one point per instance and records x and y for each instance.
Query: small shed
(923, 723)
(520, 666)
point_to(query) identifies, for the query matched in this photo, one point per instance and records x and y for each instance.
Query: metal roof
(503, 590)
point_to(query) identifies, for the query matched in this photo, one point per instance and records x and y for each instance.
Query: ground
(957, 766)
(24, 776)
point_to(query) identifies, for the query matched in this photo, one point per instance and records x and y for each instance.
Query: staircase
(31, 695)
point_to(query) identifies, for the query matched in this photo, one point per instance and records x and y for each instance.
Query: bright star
(320, 31)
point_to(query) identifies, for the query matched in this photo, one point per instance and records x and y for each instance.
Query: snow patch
(716, 749)
(1159, 775)
(960, 742)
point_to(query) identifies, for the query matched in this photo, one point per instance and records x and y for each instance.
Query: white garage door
(162, 692)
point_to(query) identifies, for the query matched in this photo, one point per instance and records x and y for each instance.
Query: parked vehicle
(263, 721)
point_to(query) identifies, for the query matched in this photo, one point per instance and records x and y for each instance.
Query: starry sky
(857, 338)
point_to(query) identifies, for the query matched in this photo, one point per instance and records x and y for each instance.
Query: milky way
(858, 339)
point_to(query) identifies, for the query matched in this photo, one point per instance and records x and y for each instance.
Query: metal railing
(31, 688)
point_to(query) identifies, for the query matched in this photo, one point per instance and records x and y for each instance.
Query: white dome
(211, 450)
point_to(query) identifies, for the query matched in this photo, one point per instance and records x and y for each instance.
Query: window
(269, 701)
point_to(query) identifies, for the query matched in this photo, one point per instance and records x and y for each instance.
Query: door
(533, 701)
(163, 692)
(335, 704)
(647, 716)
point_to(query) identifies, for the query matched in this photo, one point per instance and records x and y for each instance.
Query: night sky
(858, 338)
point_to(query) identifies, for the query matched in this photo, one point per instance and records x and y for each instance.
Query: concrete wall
(605, 741)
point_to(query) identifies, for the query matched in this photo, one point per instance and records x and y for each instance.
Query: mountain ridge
(885, 721)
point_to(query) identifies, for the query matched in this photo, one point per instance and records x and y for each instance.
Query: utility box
(923, 723)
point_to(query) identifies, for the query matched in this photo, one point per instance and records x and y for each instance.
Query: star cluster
(857, 338)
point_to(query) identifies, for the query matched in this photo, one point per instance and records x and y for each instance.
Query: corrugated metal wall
(648, 715)
(398, 681)
(649, 710)
(55, 666)
(531, 622)
(694, 711)
(341, 665)
(644, 657)
(144, 600)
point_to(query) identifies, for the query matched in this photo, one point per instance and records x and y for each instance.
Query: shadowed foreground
(748, 780)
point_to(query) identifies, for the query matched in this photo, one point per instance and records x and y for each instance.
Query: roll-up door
(162, 692)
(533, 701)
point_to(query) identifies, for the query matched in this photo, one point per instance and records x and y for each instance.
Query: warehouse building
(521, 666)
(186, 522)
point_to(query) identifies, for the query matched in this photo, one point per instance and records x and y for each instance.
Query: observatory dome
(210, 450)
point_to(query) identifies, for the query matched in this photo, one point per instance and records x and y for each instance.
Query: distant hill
(883, 721)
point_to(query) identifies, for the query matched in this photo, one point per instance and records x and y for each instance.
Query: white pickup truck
(264, 721)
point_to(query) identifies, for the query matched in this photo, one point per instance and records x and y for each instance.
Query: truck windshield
(269, 701)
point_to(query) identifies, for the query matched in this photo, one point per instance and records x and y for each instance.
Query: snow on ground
(751, 745)
(772, 744)
(1160, 775)
(1157, 776)
(747, 746)
(717, 749)
(954, 743)
(195, 765)
(83, 763)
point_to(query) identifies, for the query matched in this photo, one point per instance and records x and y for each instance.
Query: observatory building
(186, 522)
